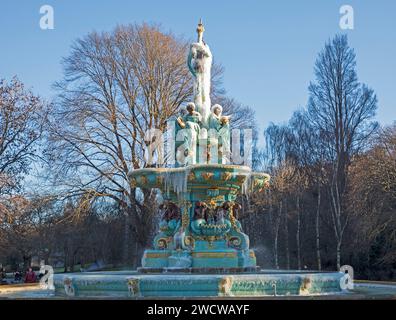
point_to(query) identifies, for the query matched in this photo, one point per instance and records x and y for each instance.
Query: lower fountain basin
(173, 284)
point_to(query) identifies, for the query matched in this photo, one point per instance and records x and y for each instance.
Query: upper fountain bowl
(206, 180)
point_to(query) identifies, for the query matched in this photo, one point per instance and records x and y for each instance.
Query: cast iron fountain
(200, 248)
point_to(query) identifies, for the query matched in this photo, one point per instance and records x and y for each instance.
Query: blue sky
(268, 48)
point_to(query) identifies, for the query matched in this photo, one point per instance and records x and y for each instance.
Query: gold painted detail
(160, 180)
(143, 180)
(234, 241)
(225, 285)
(133, 183)
(214, 254)
(200, 30)
(208, 238)
(191, 176)
(185, 216)
(214, 226)
(154, 255)
(232, 218)
(134, 287)
(207, 175)
(305, 286)
(256, 183)
(226, 176)
(218, 198)
(241, 178)
(189, 242)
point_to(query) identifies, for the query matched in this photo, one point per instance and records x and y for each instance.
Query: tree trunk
(277, 236)
(27, 261)
(337, 223)
(318, 258)
(298, 233)
(338, 255)
(126, 238)
(287, 241)
(66, 257)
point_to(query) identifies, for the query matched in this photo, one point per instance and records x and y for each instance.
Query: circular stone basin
(133, 284)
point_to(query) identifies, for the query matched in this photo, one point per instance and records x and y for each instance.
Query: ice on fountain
(180, 262)
(176, 181)
(247, 186)
(201, 84)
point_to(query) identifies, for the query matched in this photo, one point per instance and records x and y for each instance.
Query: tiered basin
(200, 182)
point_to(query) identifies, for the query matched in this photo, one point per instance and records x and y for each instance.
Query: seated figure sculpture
(191, 125)
(219, 136)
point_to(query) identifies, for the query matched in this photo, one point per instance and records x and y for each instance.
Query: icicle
(176, 181)
(247, 186)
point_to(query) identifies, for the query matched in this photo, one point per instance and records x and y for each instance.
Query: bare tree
(25, 225)
(23, 118)
(372, 200)
(341, 110)
(117, 86)
(309, 159)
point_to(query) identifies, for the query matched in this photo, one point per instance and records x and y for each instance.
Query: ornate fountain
(199, 229)
(200, 248)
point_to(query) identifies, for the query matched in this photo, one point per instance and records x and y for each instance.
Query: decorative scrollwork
(232, 217)
(234, 242)
(185, 216)
(207, 175)
(134, 287)
(226, 176)
(189, 242)
(208, 238)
